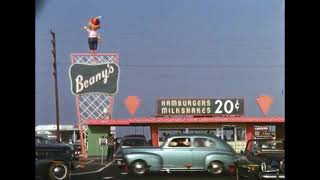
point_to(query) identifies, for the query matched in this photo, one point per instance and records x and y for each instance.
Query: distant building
(68, 132)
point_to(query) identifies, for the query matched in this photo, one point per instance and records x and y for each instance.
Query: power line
(201, 66)
(188, 66)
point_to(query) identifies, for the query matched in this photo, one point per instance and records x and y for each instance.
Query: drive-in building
(235, 128)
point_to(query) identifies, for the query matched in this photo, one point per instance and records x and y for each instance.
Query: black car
(262, 159)
(76, 147)
(52, 160)
(133, 140)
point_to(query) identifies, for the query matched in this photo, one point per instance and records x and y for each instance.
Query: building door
(235, 136)
(228, 133)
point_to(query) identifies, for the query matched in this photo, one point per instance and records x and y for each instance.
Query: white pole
(74, 136)
(235, 134)
(101, 155)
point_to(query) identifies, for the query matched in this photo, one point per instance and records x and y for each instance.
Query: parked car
(76, 147)
(262, 159)
(187, 152)
(53, 160)
(133, 140)
(130, 141)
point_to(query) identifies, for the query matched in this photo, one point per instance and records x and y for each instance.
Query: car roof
(134, 136)
(265, 139)
(129, 138)
(41, 137)
(193, 135)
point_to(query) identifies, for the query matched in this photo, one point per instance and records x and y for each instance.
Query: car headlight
(282, 166)
(236, 159)
(263, 167)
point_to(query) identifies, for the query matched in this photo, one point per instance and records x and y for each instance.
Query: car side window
(203, 142)
(41, 154)
(180, 142)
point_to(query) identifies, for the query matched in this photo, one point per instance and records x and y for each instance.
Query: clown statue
(94, 25)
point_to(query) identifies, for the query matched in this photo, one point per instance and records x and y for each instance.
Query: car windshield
(269, 145)
(134, 142)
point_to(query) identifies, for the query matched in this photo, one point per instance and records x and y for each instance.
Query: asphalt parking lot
(94, 170)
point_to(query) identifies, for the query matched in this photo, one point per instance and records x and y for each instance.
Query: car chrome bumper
(272, 176)
(122, 165)
(119, 161)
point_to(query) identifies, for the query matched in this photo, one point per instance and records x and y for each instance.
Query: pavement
(91, 164)
(94, 170)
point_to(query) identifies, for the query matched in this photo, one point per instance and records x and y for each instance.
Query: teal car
(187, 152)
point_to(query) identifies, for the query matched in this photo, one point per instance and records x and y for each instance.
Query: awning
(183, 120)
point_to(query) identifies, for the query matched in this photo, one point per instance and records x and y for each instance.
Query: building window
(241, 134)
(212, 132)
(228, 134)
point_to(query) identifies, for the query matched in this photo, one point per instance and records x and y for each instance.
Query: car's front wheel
(59, 171)
(138, 168)
(215, 168)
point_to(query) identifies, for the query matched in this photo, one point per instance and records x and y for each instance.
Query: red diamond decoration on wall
(264, 102)
(132, 103)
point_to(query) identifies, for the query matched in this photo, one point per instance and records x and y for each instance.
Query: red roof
(166, 120)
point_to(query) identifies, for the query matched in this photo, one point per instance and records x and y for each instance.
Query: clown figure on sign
(94, 37)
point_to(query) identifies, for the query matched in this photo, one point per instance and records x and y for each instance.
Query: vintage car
(262, 159)
(187, 152)
(76, 147)
(133, 140)
(53, 160)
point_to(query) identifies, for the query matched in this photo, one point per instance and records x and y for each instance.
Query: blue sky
(236, 46)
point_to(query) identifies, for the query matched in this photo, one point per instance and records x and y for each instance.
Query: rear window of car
(203, 142)
(180, 142)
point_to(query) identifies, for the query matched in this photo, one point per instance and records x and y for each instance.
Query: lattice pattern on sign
(94, 106)
(98, 58)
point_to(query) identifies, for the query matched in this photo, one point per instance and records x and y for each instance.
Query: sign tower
(93, 105)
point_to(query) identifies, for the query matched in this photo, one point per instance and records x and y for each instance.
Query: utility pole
(55, 74)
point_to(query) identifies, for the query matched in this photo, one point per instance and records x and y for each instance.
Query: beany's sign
(97, 78)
